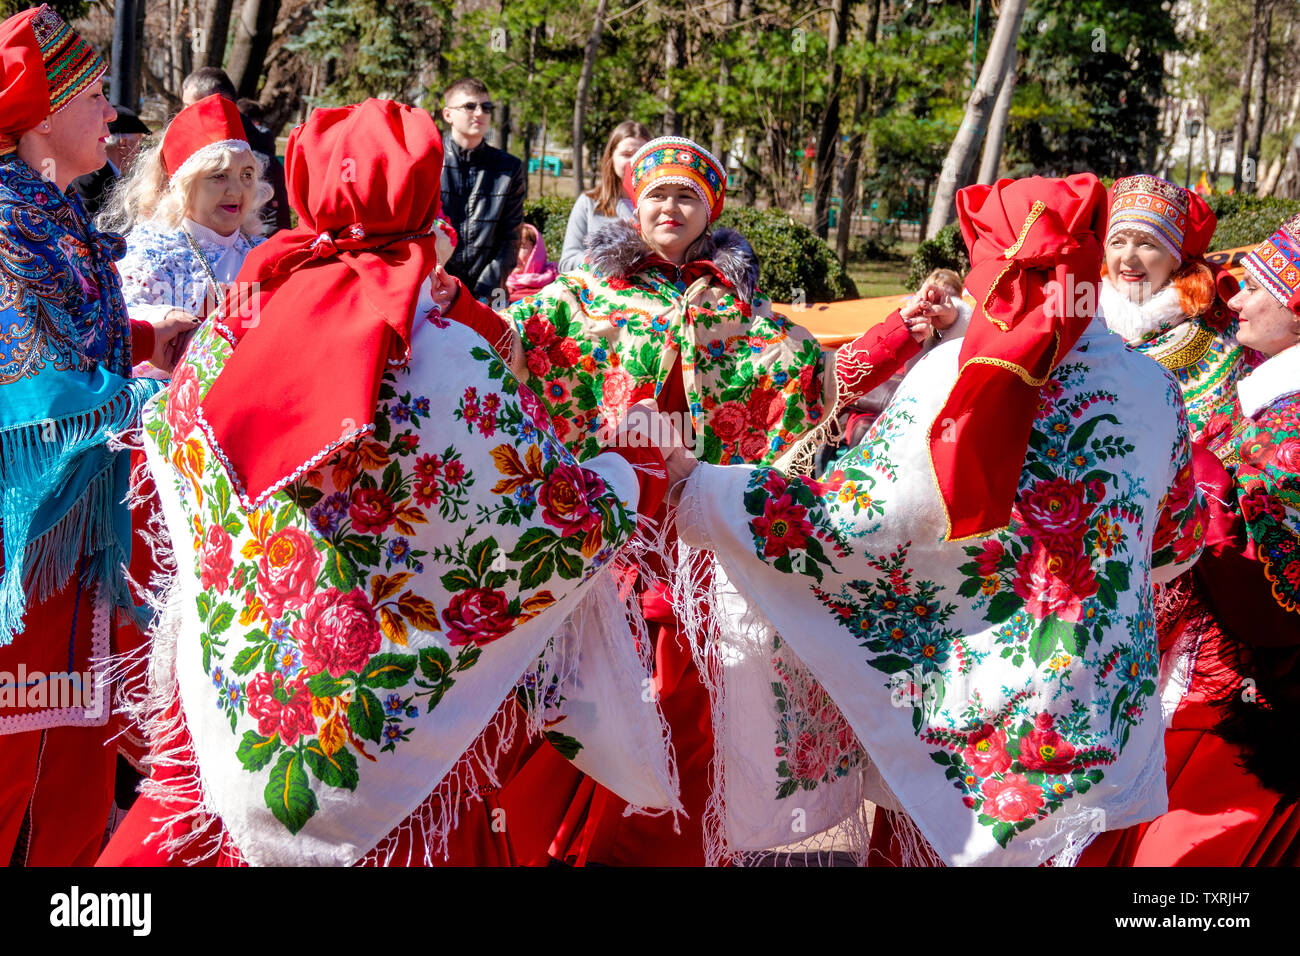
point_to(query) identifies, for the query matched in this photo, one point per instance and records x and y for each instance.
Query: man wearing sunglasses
(483, 192)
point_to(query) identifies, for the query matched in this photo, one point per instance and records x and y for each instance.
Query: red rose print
(753, 446)
(1288, 454)
(986, 751)
(1055, 580)
(561, 426)
(567, 499)
(537, 362)
(215, 563)
(372, 511)
(618, 386)
(538, 332)
(280, 707)
(729, 421)
(1046, 750)
(183, 401)
(765, 407)
(784, 525)
(988, 559)
(1055, 508)
(809, 760)
(477, 616)
(286, 571)
(564, 353)
(1011, 799)
(338, 632)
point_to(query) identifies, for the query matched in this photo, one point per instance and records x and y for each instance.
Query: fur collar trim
(615, 249)
(1134, 322)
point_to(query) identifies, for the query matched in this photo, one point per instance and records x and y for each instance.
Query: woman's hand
(171, 334)
(444, 288)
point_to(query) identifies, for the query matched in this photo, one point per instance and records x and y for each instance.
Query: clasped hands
(644, 426)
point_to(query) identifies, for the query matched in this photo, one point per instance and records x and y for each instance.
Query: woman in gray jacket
(605, 202)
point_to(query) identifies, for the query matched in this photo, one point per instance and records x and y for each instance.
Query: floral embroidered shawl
(65, 388)
(1004, 688)
(341, 647)
(607, 335)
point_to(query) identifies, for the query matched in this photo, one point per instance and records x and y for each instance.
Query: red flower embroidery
(182, 401)
(338, 632)
(215, 563)
(477, 616)
(986, 751)
(1046, 750)
(1011, 799)
(372, 511)
(784, 525)
(567, 498)
(729, 421)
(618, 386)
(280, 707)
(1055, 580)
(988, 559)
(286, 571)
(1055, 508)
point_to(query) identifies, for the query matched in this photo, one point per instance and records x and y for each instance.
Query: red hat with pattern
(1151, 205)
(1275, 263)
(44, 65)
(200, 131)
(675, 159)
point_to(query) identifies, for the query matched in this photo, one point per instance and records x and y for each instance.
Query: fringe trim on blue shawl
(35, 461)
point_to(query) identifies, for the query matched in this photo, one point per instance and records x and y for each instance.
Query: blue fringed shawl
(65, 388)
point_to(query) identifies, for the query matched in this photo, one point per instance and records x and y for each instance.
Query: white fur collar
(1277, 377)
(1134, 322)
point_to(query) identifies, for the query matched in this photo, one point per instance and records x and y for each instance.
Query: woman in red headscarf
(378, 541)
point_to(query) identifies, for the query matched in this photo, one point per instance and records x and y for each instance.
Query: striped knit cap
(71, 64)
(1151, 205)
(675, 159)
(1275, 263)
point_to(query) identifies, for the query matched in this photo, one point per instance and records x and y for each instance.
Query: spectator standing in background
(123, 143)
(607, 200)
(483, 191)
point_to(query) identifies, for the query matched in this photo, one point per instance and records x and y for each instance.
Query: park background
(845, 126)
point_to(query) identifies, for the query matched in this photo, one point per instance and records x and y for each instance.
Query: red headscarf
(24, 87)
(1022, 234)
(335, 298)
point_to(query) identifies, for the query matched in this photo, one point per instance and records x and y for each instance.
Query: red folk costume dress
(701, 340)
(384, 571)
(968, 593)
(65, 391)
(1232, 643)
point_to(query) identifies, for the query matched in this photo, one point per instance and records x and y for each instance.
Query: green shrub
(550, 214)
(1245, 220)
(791, 258)
(947, 250)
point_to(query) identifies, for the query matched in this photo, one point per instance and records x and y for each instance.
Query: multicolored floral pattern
(593, 346)
(338, 615)
(814, 743)
(1268, 492)
(1057, 602)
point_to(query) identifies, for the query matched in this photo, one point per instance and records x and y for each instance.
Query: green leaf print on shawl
(595, 345)
(1267, 476)
(1003, 686)
(355, 635)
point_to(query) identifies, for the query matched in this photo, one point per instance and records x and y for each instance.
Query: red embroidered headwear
(333, 300)
(201, 130)
(675, 159)
(44, 65)
(1022, 235)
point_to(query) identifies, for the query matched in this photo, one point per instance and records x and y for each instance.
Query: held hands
(644, 425)
(444, 288)
(929, 310)
(171, 334)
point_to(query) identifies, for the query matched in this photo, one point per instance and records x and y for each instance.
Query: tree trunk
(216, 24)
(829, 134)
(672, 122)
(1243, 110)
(718, 138)
(580, 98)
(252, 41)
(850, 187)
(992, 157)
(503, 130)
(966, 144)
(1259, 84)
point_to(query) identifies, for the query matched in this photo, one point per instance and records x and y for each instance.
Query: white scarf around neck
(1133, 321)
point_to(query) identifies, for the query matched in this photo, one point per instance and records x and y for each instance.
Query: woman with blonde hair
(605, 202)
(191, 210)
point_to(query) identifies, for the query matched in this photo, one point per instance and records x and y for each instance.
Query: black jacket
(93, 188)
(483, 192)
(276, 212)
